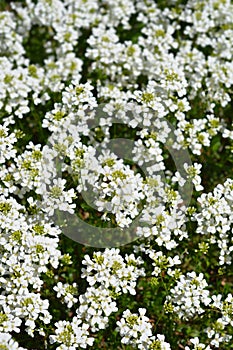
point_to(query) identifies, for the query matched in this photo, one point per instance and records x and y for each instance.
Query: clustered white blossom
(136, 330)
(111, 271)
(162, 262)
(27, 248)
(96, 305)
(189, 296)
(108, 276)
(71, 335)
(215, 219)
(67, 292)
(7, 342)
(93, 65)
(218, 330)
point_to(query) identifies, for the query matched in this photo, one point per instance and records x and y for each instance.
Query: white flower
(135, 329)
(111, 271)
(8, 343)
(197, 345)
(189, 294)
(95, 307)
(67, 292)
(193, 172)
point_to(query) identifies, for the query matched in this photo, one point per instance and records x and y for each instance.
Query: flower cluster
(217, 332)
(110, 270)
(215, 219)
(67, 292)
(136, 330)
(189, 296)
(71, 335)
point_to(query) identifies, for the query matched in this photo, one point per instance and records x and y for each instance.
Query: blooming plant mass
(116, 174)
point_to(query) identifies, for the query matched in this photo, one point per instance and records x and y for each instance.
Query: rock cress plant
(112, 112)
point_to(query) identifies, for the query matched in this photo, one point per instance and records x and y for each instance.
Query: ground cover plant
(116, 157)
